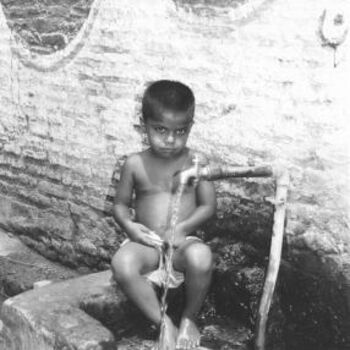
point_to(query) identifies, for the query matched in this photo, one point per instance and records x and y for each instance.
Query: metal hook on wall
(333, 30)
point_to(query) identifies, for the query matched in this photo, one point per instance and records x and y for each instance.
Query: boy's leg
(195, 259)
(128, 265)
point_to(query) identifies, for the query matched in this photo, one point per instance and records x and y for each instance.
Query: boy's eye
(160, 129)
(181, 132)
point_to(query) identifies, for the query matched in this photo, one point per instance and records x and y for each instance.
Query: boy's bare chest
(154, 176)
(155, 180)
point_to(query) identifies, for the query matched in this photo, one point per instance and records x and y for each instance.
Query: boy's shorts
(158, 277)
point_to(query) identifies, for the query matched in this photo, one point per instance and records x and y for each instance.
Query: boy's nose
(170, 137)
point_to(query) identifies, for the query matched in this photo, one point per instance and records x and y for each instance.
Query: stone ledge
(50, 318)
(66, 315)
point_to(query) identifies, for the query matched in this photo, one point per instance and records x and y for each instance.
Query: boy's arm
(135, 231)
(123, 197)
(206, 208)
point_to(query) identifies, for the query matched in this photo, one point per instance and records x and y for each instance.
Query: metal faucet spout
(211, 173)
(188, 175)
(192, 173)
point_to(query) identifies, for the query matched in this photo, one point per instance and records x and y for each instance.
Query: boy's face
(168, 131)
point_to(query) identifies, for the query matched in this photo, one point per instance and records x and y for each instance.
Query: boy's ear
(142, 124)
(140, 127)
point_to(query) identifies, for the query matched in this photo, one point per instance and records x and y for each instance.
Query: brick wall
(266, 92)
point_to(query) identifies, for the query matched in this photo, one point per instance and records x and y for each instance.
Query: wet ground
(217, 334)
(132, 331)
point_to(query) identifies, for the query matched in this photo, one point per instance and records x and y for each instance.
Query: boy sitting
(167, 113)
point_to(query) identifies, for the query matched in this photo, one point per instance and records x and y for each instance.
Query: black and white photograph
(174, 175)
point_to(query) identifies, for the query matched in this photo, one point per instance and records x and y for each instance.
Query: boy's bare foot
(168, 334)
(189, 336)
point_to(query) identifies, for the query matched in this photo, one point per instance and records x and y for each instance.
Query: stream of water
(168, 254)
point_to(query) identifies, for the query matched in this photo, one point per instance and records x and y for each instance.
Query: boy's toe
(181, 344)
(194, 345)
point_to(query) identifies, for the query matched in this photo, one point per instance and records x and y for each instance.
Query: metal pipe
(212, 173)
(282, 184)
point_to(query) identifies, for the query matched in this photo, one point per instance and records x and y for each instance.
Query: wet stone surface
(132, 331)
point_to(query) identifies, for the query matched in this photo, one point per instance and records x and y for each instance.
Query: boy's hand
(142, 234)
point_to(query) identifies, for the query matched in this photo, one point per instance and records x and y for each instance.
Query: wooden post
(282, 183)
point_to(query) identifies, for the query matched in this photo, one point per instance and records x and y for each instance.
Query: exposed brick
(36, 154)
(53, 189)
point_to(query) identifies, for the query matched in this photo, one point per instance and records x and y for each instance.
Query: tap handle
(196, 162)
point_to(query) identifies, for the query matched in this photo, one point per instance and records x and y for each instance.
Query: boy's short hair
(167, 94)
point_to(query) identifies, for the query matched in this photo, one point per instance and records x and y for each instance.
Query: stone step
(85, 300)
(89, 312)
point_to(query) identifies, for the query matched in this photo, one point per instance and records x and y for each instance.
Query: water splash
(167, 255)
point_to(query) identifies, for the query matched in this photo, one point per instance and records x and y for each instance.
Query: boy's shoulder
(134, 159)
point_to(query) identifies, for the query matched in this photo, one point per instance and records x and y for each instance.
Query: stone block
(91, 311)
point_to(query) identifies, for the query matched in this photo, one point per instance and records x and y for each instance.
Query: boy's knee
(122, 268)
(199, 257)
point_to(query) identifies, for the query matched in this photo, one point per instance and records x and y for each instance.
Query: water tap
(192, 174)
(200, 171)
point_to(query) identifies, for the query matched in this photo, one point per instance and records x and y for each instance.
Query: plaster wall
(266, 91)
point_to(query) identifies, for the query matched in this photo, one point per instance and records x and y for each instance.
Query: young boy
(167, 118)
